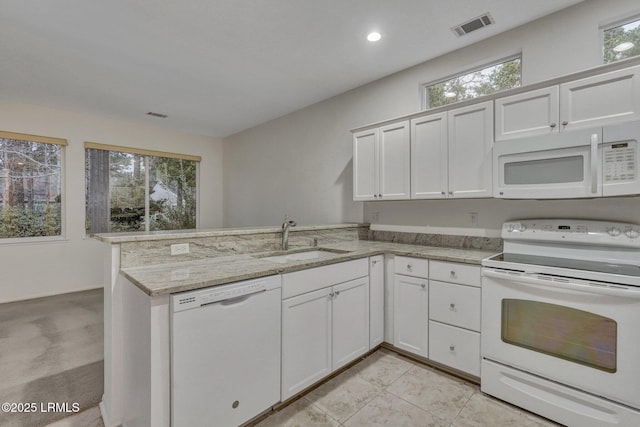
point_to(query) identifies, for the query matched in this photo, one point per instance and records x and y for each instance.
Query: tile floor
(387, 389)
(89, 418)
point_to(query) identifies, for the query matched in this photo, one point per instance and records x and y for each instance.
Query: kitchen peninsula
(141, 274)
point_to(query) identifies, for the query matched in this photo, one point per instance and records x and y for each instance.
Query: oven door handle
(591, 288)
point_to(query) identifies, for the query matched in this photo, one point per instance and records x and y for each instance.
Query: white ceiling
(218, 67)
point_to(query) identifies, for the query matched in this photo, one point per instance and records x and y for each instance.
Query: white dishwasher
(225, 353)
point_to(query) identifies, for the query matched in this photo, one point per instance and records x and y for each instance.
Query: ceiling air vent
(472, 25)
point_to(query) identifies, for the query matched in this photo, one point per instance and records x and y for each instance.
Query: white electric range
(561, 321)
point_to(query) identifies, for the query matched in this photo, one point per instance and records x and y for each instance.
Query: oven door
(576, 332)
(564, 165)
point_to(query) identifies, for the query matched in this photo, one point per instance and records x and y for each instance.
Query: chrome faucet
(285, 231)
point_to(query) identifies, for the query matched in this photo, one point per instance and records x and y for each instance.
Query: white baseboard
(105, 417)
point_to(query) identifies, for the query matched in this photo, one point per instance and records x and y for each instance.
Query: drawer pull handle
(331, 294)
(452, 348)
(423, 286)
(374, 262)
(337, 293)
(452, 306)
(409, 267)
(453, 273)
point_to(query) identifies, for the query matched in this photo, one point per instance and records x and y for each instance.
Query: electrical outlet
(179, 249)
(474, 218)
(374, 217)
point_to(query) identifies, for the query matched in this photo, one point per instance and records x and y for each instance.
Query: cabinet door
(599, 100)
(429, 157)
(394, 161)
(527, 114)
(376, 300)
(470, 142)
(365, 165)
(350, 306)
(306, 340)
(410, 312)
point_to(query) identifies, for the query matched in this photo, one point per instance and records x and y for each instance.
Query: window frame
(62, 143)
(146, 153)
(424, 86)
(613, 23)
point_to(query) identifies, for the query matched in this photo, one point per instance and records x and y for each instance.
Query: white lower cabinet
(350, 321)
(323, 329)
(306, 340)
(410, 314)
(455, 347)
(376, 300)
(436, 311)
(454, 316)
(331, 315)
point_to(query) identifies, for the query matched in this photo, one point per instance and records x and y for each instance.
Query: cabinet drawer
(455, 272)
(455, 347)
(457, 305)
(303, 281)
(416, 267)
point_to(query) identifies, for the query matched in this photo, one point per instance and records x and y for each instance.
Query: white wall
(37, 269)
(300, 164)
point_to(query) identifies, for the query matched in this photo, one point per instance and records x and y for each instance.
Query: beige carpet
(51, 352)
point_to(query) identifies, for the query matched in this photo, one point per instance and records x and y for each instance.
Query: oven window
(554, 170)
(570, 334)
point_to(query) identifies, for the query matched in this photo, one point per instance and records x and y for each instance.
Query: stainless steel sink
(309, 254)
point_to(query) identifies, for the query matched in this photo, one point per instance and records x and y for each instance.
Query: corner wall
(32, 270)
(300, 164)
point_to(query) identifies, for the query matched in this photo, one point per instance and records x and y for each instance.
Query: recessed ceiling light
(449, 94)
(374, 36)
(623, 46)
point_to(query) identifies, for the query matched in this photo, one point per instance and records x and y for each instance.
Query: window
(30, 185)
(139, 190)
(622, 41)
(505, 74)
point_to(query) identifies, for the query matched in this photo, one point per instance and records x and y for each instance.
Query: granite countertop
(176, 277)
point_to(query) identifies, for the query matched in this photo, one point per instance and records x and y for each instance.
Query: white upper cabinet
(365, 165)
(451, 153)
(590, 102)
(394, 161)
(602, 99)
(527, 114)
(470, 142)
(429, 157)
(381, 163)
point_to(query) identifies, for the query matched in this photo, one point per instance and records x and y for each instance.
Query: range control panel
(572, 230)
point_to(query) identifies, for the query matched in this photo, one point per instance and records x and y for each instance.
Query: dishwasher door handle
(235, 300)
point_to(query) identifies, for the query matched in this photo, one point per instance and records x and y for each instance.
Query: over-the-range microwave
(583, 163)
